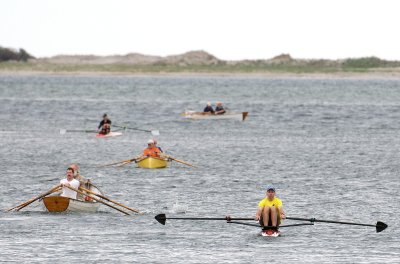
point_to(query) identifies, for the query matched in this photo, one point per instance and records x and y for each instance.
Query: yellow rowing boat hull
(152, 163)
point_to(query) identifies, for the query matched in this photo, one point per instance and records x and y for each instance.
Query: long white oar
(153, 132)
(64, 131)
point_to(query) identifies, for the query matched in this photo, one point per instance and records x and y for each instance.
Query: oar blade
(244, 115)
(161, 218)
(63, 131)
(155, 132)
(380, 226)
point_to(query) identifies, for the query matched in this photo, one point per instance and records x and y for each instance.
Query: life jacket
(152, 152)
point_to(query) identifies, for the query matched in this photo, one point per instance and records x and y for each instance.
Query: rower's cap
(270, 188)
(209, 103)
(150, 141)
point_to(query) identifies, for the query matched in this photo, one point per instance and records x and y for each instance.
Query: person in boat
(83, 182)
(69, 181)
(219, 109)
(151, 150)
(105, 129)
(105, 120)
(209, 109)
(155, 144)
(270, 210)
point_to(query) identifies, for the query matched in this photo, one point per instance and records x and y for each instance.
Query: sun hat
(270, 187)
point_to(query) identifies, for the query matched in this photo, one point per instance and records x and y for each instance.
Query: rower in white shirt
(69, 181)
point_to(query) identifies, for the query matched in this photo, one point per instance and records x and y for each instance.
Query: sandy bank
(269, 75)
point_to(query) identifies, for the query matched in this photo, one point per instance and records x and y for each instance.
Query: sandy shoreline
(268, 75)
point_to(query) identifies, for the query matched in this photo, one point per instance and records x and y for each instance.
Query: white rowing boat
(57, 203)
(111, 134)
(270, 233)
(207, 115)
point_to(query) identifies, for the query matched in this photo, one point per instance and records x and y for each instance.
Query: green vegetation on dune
(353, 65)
(191, 62)
(7, 54)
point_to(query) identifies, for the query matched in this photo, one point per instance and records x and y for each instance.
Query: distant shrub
(367, 62)
(9, 54)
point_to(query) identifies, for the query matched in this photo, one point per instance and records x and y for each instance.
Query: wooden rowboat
(111, 134)
(152, 163)
(64, 204)
(207, 115)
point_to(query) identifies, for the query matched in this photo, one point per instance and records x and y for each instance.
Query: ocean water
(330, 146)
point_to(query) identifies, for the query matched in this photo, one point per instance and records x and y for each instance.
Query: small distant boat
(58, 203)
(207, 115)
(152, 163)
(111, 134)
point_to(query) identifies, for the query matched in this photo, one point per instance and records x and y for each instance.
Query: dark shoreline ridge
(191, 62)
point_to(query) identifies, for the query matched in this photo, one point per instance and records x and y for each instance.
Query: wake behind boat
(208, 115)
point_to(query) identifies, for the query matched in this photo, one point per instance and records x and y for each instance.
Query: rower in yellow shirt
(270, 210)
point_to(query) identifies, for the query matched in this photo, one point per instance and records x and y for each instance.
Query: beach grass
(245, 67)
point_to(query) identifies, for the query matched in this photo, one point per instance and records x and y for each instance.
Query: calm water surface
(330, 146)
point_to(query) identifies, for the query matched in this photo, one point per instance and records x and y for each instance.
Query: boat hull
(111, 134)
(202, 115)
(152, 163)
(56, 204)
(270, 233)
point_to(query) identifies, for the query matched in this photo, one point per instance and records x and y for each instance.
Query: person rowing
(83, 182)
(151, 150)
(155, 144)
(209, 109)
(270, 211)
(69, 181)
(105, 125)
(219, 109)
(105, 129)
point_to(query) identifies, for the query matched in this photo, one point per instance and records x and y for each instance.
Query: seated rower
(209, 109)
(155, 144)
(270, 211)
(83, 182)
(105, 129)
(69, 181)
(151, 150)
(219, 110)
(105, 120)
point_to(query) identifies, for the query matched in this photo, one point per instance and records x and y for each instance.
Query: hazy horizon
(230, 30)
